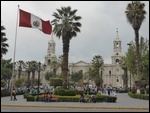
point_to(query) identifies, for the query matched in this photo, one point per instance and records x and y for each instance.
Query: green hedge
(7, 93)
(40, 98)
(109, 98)
(30, 98)
(139, 96)
(68, 98)
(99, 98)
(63, 92)
(26, 95)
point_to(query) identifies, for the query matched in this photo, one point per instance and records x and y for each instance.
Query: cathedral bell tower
(117, 51)
(50, 57)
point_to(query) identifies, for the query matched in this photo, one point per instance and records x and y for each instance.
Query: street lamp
(68, 73)
(39, 69)
(11, 87)
(129, 44)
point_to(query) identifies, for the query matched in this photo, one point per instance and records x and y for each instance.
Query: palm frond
(77, 18)
(76, 29)
(56, 16)
(77, 24)
(73, 34)
(68, 9)
(72, 12)
(60, 11)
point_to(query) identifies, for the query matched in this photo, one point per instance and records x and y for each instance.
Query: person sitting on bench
(47, 97)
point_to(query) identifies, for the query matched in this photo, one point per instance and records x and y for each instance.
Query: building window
(117, 80)
(49, 61)
(81, 71)
(117, 45)
(117, 61)
(110, 72)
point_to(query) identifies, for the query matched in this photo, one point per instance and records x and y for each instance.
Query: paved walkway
(123, 102)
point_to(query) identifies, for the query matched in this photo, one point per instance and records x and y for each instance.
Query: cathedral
(111, 73)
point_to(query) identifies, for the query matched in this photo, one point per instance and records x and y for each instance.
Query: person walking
(14, 94)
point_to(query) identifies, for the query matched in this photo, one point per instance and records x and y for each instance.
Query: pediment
(81, 63)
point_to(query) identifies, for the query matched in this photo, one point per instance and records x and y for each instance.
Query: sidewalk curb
(75, 107)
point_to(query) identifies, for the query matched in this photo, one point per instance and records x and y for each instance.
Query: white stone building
(111, 73)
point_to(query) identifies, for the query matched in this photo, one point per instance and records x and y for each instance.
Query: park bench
(54, 98)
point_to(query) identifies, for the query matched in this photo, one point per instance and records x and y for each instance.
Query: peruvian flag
(29, 20)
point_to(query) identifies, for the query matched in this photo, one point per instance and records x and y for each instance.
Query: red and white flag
(29, 20)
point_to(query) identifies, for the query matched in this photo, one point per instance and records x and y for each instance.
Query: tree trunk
(137, 51)
(28, 76)
(125, 78)
(66, 42)
(19, 73)
(33, 77)
(28, 79)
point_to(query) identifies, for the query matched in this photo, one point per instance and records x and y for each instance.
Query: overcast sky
(100, 19)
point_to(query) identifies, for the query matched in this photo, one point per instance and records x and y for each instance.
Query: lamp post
(68, 73)
(39, 69)
(11, 88)
(129, 44)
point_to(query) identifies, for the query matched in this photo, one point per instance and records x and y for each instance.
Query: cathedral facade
(111, 73)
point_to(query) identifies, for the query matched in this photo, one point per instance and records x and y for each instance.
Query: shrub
(31, 98)
(140, 96)
(146, 97)
(26, 95)
(68, 98)
(56, 92)
(70, 92)
(62, 92)
(40, 98)
(98, 94)
(100, 99)
(110, 98)
(5, 93)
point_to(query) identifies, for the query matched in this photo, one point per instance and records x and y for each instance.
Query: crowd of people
(86, 98)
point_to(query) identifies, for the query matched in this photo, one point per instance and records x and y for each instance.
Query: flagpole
(14, 58)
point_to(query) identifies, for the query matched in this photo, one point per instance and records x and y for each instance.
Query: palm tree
(4, 45)
(135, 14)
(98, 62)
(34, 67)
(54, 67)
(66, 26)
(21, 66)
(28, 70)
(60, 59)
(123, 65)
